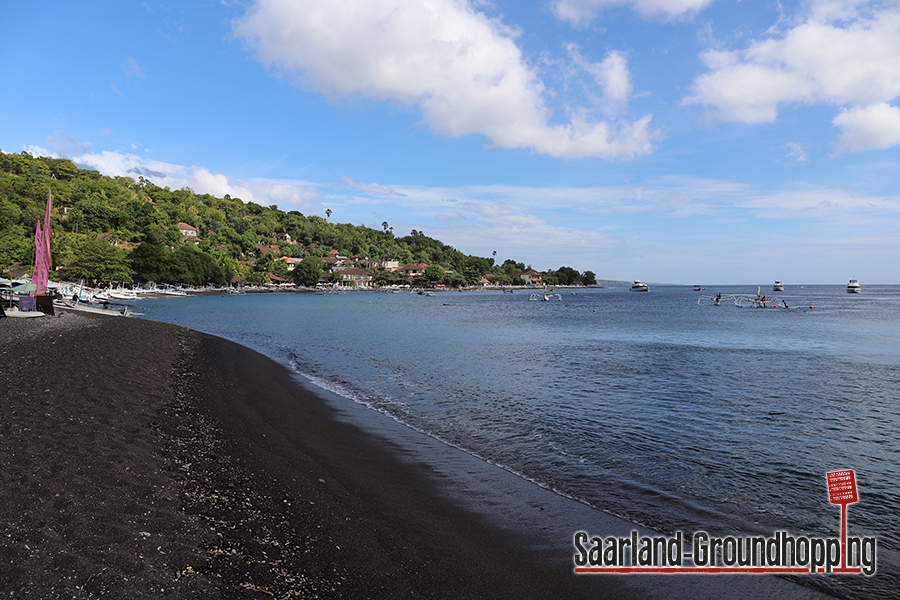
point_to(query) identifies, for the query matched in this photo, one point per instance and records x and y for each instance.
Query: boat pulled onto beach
(112, 309)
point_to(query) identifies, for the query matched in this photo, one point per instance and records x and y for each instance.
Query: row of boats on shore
(99, 295)
(77, 297)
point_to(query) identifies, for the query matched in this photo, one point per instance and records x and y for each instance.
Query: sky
(672, 141)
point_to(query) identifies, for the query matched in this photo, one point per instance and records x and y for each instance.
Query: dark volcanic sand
(144, 460)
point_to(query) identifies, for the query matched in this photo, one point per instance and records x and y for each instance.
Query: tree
(433, 274)
(150, 262)
(589, 278)
(568, 276)
(192, 266)
(328, 212)
(308, 271)
(96, 260)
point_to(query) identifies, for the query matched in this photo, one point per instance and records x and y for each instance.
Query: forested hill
(122, 229)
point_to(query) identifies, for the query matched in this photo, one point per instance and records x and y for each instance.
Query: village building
(530, 277)
(413, 270)
(291, 262)
(187, 230)
(353, 277)
(264, 250)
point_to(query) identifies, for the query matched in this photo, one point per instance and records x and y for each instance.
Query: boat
(697, 288)
(777, 286)
(639, 286)
(853, 287)
(173, 291)
(80, 294)
(112, 309)
(545, 296)
(122, 294)
(15, 312)
(757, 301)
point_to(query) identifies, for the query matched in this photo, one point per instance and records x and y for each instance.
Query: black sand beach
(144, 460)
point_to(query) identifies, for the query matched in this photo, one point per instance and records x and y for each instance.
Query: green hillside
(122, 229)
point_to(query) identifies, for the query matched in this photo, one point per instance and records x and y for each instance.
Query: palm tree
(328, 213)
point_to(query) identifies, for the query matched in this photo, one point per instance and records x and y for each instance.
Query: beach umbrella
(24, 287)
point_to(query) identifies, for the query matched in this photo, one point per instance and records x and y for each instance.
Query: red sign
(842, 487)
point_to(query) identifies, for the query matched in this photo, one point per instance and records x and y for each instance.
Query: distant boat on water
(778, 286)
(639, 286)
(853, 287)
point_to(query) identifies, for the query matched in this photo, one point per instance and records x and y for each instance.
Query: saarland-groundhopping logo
(782, 553)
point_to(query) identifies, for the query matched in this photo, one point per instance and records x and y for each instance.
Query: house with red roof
(187, 230)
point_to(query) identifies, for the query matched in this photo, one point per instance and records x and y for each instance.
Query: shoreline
(155, 460)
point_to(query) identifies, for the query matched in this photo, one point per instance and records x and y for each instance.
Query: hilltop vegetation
(122, 229)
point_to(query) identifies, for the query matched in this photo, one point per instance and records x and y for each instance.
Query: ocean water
(665, 411)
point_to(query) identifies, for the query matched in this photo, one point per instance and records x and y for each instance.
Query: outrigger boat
(112, 309)
(546, 296)
(757, 301)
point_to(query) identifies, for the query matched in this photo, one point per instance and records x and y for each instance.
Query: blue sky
(675, 141)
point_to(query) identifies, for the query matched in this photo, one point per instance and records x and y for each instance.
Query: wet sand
(144, 460)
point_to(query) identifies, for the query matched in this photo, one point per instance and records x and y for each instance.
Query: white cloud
(371, 188)
(611, 75)
(297, 195)
(581, 12)
(841, 54)
(65, 146)
(132, 69)
(459, 67)
(839, 206)
(797, 151)
(873, 127)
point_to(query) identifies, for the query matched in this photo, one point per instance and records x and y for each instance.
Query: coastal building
(291, 262)
(279, 281)
(263, 250)
(353, 277)
(187, 230)
(413, 270)
(330, 263)
(530, 277)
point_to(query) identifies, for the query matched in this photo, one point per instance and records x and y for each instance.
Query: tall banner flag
(45, 272)
(38, 257)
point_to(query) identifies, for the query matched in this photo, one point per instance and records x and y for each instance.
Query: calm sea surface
(649, 406)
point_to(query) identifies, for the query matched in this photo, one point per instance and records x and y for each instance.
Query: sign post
(842, 490)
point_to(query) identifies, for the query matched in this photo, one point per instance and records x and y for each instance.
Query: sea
(663, 409)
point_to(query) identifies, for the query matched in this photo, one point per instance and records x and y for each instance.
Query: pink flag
(38, 256)
(45, 272)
